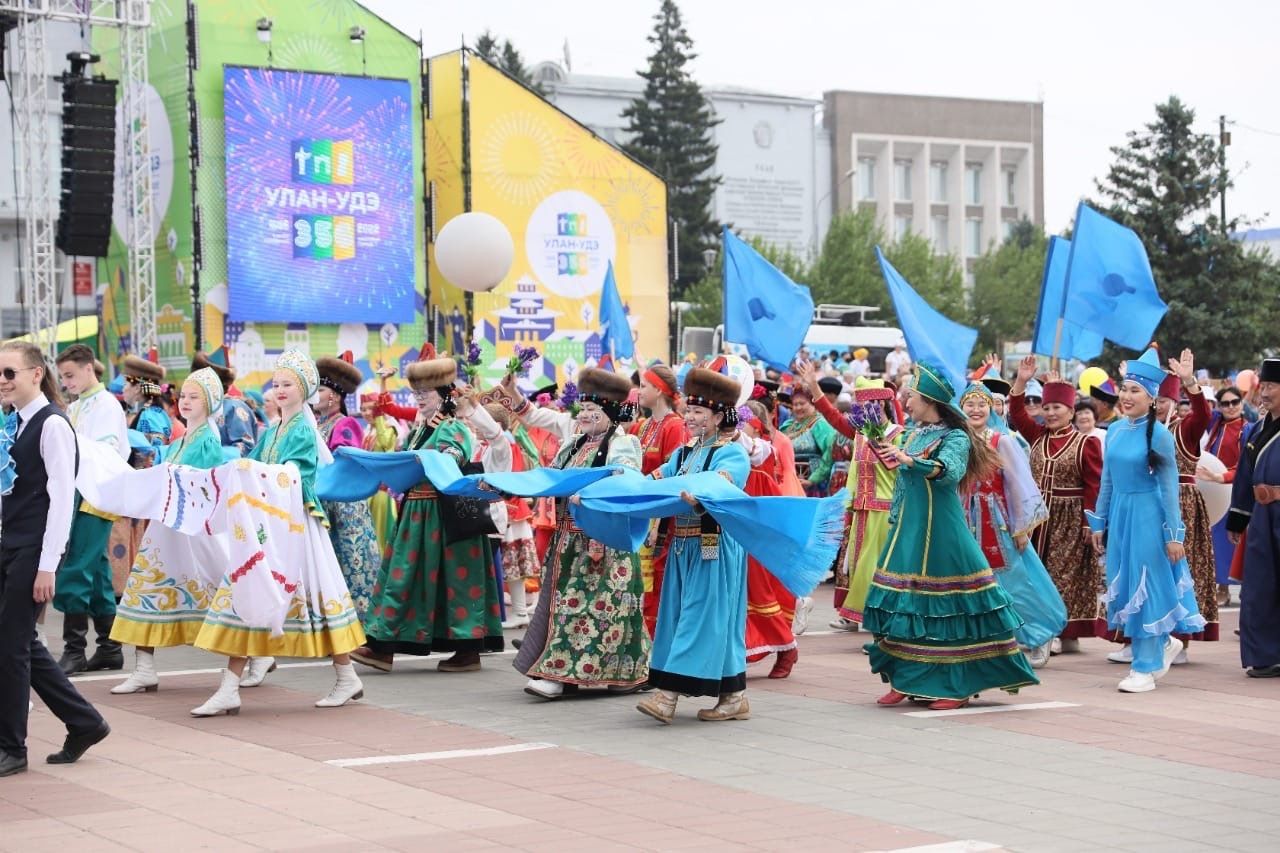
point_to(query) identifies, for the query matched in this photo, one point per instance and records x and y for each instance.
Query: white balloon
(1217, 496)
(737, 369)
(474, 251)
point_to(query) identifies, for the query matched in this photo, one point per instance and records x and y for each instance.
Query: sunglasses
(1228, 402)
(9, 373)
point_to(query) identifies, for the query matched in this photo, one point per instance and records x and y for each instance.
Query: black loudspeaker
(88, 166)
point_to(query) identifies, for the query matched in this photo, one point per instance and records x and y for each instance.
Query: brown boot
(377, 660)
(661, 706)
(461, 662)
(786, 660)
(732, 706)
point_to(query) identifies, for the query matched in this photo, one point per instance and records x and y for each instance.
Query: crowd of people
(987, 527)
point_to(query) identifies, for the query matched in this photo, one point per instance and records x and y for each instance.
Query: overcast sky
(1099, 67)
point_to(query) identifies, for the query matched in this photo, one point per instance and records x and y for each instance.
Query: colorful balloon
(1245, 380)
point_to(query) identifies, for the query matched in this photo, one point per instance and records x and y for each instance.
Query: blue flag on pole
(1109, 288)
(615, 331)
(1076, 342)
(763, 309)
(931, 337)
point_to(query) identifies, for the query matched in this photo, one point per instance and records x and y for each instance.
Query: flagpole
(1066, 286)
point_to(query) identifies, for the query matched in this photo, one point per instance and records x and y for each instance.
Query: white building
(1261, 239)
(773, 157)
(958, 171)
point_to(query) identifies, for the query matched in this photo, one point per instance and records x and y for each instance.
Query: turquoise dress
(699, 643)
(944, 626)
(1147, 597)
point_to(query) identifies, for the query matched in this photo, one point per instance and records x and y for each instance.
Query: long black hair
(982, 460)
(1154, 460)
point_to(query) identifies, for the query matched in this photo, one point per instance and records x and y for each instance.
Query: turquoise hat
(1146, 371)
(931, 383)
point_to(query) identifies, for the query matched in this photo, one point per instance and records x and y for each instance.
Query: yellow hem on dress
(159, 635)
(235, 641)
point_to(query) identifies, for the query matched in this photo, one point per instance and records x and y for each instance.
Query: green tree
(502, 54)
(1006, 287)
(1164, 184)
(670, 131)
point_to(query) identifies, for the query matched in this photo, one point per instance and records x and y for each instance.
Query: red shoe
(786, 660)
(948, 704)
(893, 697)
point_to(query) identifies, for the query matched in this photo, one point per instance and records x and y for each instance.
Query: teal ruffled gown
(944, 626)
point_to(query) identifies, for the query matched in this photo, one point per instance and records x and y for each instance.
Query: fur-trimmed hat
(226, 375)
(140, 368)
(602, 384)
(710, 390)
(500, 413)
(432, 373)
(339, 374)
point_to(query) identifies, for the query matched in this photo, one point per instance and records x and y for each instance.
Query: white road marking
(438, 756)
(993, 709)
(967, 846)
(123, 674)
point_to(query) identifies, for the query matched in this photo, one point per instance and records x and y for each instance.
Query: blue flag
(931, 338)
(763, 309)
(615, 331)
(1110, 289)
(1076, 342)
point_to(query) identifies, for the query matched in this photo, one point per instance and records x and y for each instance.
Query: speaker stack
(88, 166)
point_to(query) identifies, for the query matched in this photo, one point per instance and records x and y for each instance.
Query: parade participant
(897, 363)
(1002, 511)
(771, 607)
(1226, 426)
(588, 629)
(1085, 420)
(1149, 595)
(436, 590)
(766, 392)
(174, 576)
(142, 395)
(811, 437)
(873, 482)
(237, 426)
(519, 555)
(84, 581)
(1067, 467)
(1033, 400)
(355, 541)
(699, 648)
(381, 436)
(1105, 397)
(945, 627)
(321, 619)
(38, 448)
(1253, 525)
(661, 433)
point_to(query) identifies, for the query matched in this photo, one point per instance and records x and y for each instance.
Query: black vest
(25, 510)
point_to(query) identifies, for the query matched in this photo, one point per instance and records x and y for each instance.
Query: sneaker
(800, 623)
(840, 623)
(1037, 657)
(1124, 655)
(1181, 658)
(1138, 682)
(1070, 647)
(1055, 646)
(1172, 648)
(544, 689)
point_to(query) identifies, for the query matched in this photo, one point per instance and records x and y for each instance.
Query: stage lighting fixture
(264, 30)
(357, 33)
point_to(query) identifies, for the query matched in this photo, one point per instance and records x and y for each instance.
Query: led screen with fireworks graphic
(320, 213)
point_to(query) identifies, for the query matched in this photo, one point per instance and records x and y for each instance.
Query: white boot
(544, 689)
(256, 671)
(225, 701)
(346, 687)
(518, 617)
(144, 679)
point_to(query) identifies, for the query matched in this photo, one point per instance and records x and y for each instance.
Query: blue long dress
(700, 644)
(1147, 597)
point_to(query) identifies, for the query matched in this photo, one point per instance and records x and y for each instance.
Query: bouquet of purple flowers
(868, 418)
(472, 366)
(518, 364)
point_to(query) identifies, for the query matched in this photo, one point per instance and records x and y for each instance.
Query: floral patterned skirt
(355, 543)
(172, 582)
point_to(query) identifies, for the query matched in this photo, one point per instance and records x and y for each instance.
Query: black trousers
(25, 664)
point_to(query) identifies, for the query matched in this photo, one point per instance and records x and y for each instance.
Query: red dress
(658, 440)
(770, 607)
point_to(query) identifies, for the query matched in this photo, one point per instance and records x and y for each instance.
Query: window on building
(1011, 187)
(1006, 229)
(940, 227)
(938, 181)
(973, 183)
(902, 180)
(866, 178)
(973, 237)
(901, 226)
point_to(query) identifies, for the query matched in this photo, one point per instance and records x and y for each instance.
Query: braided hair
(602, 452)
(1153, 457)
(448, 405)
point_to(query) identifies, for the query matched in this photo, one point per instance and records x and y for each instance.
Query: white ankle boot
(144, 679)
(346, 687)
(225, 701)
(256, 671)
(518, 615)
